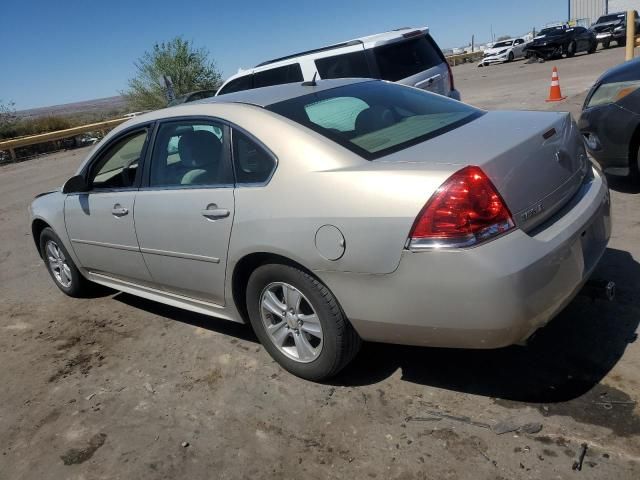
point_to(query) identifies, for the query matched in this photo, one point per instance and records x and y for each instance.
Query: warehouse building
(590, 10)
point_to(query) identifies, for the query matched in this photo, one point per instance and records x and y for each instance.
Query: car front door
(583, 38)
(100, 222)
(184, 210)
(518, 48)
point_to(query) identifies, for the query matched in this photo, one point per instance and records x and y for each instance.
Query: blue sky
(63, 51)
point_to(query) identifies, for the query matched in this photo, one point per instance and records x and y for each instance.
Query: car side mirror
(76, 184)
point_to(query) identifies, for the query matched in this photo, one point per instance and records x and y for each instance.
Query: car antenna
(312, 83)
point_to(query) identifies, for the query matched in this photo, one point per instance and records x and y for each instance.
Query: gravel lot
(119, 387)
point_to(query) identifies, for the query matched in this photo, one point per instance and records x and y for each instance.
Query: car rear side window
(406, 58)
(238, 85)
(376, 118)
(278, 76)
(251, 162)
(347, 65)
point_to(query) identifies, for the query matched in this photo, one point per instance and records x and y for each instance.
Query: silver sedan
(334, 212)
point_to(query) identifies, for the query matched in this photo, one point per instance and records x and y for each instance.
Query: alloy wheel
(291, 322)
(58, 264)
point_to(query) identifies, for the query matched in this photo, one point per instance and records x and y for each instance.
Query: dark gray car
(610, 120)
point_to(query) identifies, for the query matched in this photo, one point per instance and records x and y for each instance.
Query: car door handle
(212, 212)
(429, 80)
(119, 211)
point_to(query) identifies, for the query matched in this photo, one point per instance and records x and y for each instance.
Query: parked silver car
(326, 213)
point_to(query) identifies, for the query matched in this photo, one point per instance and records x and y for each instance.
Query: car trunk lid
(536, 160)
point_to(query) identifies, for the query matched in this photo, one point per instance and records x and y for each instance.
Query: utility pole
(473, 43)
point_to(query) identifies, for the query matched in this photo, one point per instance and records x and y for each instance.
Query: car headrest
(374, 118)
(200, 148)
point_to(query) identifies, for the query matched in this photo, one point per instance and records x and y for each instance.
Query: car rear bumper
(455, 94)
(490, 296)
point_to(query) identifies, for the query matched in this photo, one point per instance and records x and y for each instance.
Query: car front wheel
(299, 322)
(634, 170)
(570, 49)
(64, 272)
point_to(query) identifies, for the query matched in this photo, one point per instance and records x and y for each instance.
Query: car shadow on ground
(218, 325)
(561, 362)
(623, 184)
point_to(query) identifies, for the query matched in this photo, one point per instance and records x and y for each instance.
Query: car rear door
(100, 222)
(185, 208)
(414, 60)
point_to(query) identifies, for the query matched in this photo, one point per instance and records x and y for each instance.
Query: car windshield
(552, 31)
(506, 43)
(376, 118)
(611, 18)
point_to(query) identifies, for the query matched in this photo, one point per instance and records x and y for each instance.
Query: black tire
(570, 50)
(634, 168)
(622, 42)
(511, 57)
(340, 342)
(79, 286)
(593, 48)
(606, 44)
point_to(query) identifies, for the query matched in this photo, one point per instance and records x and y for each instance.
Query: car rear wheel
(64, 272)
(299, 322)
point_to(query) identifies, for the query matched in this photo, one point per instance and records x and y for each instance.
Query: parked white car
(409, 56)
(505, 51)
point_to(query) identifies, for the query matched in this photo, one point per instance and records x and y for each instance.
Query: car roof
(622, 73)
(368, 41)
(264, 96)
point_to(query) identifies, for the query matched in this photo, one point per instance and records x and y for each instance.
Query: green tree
(189, 68)
(8, 120)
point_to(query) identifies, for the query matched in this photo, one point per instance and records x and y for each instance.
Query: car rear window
(347, 65)
(374, 119)
(278, 76)
(406, 58)
(238, 85)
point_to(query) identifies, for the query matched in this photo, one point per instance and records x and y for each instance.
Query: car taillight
(466, 210)
(451, 85)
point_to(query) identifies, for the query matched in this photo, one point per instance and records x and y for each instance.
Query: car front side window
(118, 166)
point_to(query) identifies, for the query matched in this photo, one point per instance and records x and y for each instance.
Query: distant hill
(88, 107)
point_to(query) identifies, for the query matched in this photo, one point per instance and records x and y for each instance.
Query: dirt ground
(119, 387)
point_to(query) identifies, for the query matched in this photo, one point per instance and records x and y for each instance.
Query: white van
(407, 56)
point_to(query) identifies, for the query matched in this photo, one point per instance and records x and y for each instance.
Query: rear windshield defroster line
(376, 118)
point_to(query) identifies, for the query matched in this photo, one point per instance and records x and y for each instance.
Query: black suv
(554, 42)
(613, 28)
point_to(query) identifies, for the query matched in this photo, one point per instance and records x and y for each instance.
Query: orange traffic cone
(555, 95)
